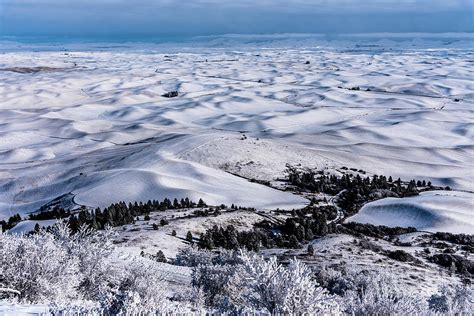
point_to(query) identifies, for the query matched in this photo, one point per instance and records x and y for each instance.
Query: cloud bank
(174, 18)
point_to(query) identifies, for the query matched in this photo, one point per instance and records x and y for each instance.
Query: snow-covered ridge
(445, 211)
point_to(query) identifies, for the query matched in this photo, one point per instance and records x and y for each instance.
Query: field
(82, 127)
(92, 126)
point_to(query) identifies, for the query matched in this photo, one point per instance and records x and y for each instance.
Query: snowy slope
(27, 226)
(96, 126)
(179, 179)
(436, 211)
(23, 310)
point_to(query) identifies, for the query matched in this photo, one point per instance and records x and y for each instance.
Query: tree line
(304, 225)
(121, 213)
(353, 191)
(117, 214)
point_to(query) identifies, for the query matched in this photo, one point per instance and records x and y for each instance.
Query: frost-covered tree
(213, 274)
(77, 271)
(142, 289)
(193, 298)
(38, 267)
(377, 293)
(82, 273)
(93, 250)
(242, 282)
(216, 281)
(280, 290)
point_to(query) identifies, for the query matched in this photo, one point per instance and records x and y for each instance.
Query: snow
(178, 179)
(331, 242)
(96, 130)
(336, 250)
(101, 131)
(435, 211)
(140, 236)
(7, 309)
(27, 226)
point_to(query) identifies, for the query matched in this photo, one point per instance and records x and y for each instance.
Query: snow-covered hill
(439, 211)
(92, 125)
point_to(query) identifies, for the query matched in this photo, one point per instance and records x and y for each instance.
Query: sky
(128, 19)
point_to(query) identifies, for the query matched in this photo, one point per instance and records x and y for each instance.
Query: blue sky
(175, 18)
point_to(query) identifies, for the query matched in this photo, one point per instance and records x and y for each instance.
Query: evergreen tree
(310, 250)
(293, 242)
(189, 237)
(201, 203)
(160, 256)
(74, 223)
(176, 203)
(206, 242)
(13, 220)
(232, 238)
(300, 233)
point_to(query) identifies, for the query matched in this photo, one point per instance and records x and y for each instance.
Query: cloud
(293, 5)
(104, 18)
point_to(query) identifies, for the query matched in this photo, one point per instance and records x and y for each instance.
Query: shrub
(377, 293)
(56, 265)
(248, 282)
(189, 237)
(453, 300)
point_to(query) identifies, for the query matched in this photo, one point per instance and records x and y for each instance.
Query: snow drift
(436, 211)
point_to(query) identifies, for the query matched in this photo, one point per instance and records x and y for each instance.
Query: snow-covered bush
(453, 300)
(76, 272)
(216, 282)
(141, 290)
(192, 299)
(337, 280)
(377, 293)
(215, 278)
(248, 282)
(193, 256)
(283, 290)
(80, 274)
(39, 268)
(58, 266)
(93, 250)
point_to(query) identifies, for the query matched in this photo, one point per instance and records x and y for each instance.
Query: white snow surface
(7, 309)
(444, 211)
(97, 126)
(27, 226)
